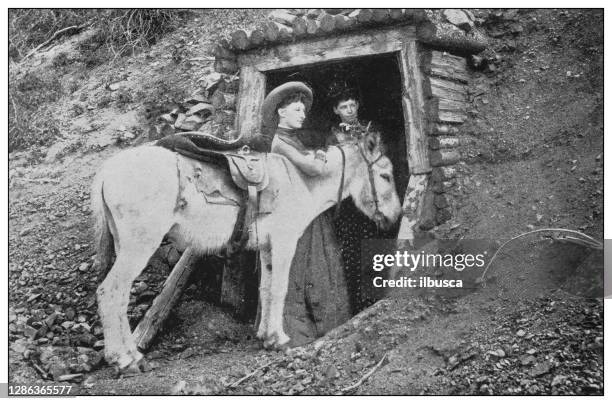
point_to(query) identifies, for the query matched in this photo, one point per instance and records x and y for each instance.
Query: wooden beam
(379, 41)
(226, 66)
(437, 129)
(162, 305)
(311, 26)
(443, 142)
(282, 16)
(232, 285)
(441, 174)
(299, 27)
(336, 11)
(222, 51)
(451, 116)
(397, 13)
(326, 22)
(443, 110)
(445, 157)
(445, 89)
(314, 13)
(256, 37)
(240, 39)
(343, 22)
(414, 201)
(362, 15)
(270, 30)
(381, 14)
(250, 99)
(237, 284)
(414, 110)
(285, 32)
(445, 65)
(416, 15)
(451, 105)
(442, 186)
(453, 40)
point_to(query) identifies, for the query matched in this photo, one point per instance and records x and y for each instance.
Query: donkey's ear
(372, 142)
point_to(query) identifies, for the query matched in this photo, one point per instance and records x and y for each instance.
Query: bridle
(370, 164)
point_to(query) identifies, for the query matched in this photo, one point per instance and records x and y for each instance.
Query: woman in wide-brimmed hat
(317, 298)
(285, 108)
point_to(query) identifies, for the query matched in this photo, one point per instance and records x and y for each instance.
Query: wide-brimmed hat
(270, 118)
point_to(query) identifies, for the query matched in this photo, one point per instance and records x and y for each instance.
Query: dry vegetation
(115, 33)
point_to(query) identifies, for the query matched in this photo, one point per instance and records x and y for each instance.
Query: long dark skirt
(317, 298)
(352, 227)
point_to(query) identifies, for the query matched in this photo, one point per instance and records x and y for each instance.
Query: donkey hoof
(137, 366)
(268, 343)
(284, 348)
(277, 342)
(282, 340)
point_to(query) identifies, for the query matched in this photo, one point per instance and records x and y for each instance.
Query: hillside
(533, 152)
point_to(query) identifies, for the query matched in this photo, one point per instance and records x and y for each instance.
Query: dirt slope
(534, 159)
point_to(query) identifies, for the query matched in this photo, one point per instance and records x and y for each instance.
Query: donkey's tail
(105, 247)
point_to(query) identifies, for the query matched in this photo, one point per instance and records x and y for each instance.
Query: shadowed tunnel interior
(378, 82)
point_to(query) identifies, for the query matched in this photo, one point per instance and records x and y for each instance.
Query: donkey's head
(373, 187)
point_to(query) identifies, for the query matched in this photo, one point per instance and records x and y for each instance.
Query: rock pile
(211, 109)
(53, 321)
(502, 26)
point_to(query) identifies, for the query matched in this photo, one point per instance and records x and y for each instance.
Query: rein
(370, 164)
(341, 187)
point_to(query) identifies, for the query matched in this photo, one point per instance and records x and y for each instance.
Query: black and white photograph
(304, 201)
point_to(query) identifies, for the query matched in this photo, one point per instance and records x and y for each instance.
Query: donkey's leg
(113, 299)
(265, 258)
(282, 254)
(140, 188)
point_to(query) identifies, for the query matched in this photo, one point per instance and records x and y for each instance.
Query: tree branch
(55, 35)
(366, 376)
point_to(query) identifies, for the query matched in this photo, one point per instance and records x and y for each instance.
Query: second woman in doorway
(351, 225)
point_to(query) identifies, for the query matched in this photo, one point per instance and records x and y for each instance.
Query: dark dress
(351, 227)
(317, 299)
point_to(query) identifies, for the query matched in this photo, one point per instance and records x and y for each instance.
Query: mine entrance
(377, 81)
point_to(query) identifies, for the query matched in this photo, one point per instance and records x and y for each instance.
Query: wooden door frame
(398, 40)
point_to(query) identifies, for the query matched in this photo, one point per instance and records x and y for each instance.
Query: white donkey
(140, 195)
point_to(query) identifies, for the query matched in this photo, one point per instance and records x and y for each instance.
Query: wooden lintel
(371, 42)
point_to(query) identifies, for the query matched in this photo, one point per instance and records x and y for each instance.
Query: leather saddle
(247, 167)
(248, 170)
